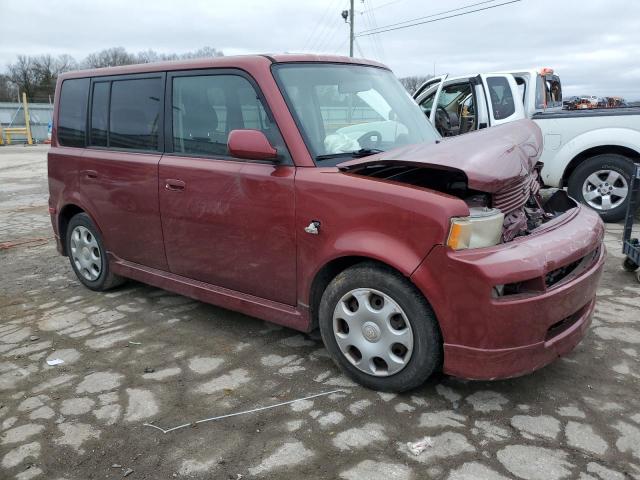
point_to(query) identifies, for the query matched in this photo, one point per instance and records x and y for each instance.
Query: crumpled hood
(491, 158)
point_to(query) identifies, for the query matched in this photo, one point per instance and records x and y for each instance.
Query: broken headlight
(482, 228)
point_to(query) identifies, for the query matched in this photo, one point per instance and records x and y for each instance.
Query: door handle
(90, 174)
(174, 185)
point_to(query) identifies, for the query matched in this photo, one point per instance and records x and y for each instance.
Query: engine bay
(525, 204)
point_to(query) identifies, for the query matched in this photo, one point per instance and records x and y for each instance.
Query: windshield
(351, 110)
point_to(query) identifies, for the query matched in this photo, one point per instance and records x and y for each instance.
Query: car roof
(236, 61)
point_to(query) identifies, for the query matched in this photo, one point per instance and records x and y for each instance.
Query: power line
(376, 39)
(366, 15)
(434, 14)
(386, 4)
(321, 27)
(386, 28)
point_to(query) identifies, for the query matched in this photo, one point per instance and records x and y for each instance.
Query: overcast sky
(594, 45)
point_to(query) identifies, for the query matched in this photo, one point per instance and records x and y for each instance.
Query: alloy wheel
(605, 189)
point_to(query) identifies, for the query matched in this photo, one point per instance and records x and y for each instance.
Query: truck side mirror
(250, 144)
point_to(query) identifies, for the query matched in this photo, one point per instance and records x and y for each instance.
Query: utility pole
(351, 30)
(348, 18)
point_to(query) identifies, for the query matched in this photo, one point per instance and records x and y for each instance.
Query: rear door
(118, 175)
(502, 97)
(226, 221)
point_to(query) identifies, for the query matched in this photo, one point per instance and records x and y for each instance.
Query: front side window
(427, 104)
(134, 120)
(207, 107)
(72, 116)
(501, 97)
(350, 110)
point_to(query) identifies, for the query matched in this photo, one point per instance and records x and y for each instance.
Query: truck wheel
(379, 328)
(602, 182)
(88, 256)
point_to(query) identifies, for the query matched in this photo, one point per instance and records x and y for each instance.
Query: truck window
(548, 91)
(207, 107)
(455, 112)
(99, 114)
(72, 118)
(501, 97)
(134, 120)
(427, 104)
(553, 91)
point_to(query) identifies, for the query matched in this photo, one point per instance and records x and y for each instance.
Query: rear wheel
(88, 256)
(380, 329)
(603, 182)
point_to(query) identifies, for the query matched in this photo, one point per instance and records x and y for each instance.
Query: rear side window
(72, 116)
(134, 118)
(99, 114)
(501, 97)
(207, 107)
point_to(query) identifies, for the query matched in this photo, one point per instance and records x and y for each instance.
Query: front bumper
(488, 336)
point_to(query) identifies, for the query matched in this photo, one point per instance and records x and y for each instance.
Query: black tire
(629, 265)
(609, 161)
(427, 340)
(105, 280)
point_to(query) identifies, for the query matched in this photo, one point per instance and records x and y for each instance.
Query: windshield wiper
(363, 152)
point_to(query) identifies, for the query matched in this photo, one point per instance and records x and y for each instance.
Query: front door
(227, 222)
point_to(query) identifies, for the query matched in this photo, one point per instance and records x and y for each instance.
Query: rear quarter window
(72, 115)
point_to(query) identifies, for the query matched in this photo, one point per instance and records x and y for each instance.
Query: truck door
(432, 114)
(427, 97)
(502, 97)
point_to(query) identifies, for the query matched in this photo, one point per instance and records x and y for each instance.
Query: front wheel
(380, 329)
(603, 183)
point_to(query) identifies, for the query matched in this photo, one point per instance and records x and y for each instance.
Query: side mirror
(250, 144)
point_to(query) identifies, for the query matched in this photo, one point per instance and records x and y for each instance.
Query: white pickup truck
(592, 152)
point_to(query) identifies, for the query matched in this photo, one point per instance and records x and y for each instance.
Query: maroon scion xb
(311, 192)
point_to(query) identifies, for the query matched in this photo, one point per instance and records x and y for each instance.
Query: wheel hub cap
(373, 332)
(85, 253)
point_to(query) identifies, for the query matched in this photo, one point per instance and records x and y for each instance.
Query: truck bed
(594, 112)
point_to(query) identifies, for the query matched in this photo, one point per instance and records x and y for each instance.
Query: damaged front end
(494, 171)
(527, 206)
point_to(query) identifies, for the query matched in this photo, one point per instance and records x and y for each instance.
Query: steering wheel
(443, 121)
(366, 140)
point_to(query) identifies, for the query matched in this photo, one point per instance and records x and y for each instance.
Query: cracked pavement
(139, 354)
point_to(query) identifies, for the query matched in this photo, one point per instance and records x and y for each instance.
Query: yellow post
(27, 120)
(1, 136)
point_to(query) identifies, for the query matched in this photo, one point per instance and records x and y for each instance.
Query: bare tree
(111, 57)
(149, 56)
(47, 68)
(23, 75)
(413, 82)
(8, 90)
(37, 75)
(204, 52)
